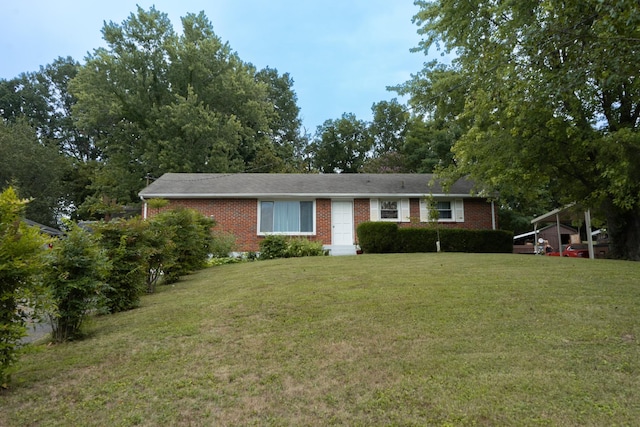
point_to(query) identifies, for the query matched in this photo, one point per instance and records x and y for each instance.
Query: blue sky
(341, 54)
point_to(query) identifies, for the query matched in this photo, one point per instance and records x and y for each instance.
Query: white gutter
(292, 195)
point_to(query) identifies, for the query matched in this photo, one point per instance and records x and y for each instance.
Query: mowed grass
(401, 339)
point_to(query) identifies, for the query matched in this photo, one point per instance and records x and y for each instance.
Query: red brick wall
(323, 221)
(240, 217)
(477, 216)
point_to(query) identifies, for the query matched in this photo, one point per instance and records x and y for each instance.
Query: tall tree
(389, 126)
(162, 102)
(289, 141)
(42, 101)
(553, 101)
(36, 170)
(388, 131)
(341, 145)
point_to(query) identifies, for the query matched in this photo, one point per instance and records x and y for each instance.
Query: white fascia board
(295, 195)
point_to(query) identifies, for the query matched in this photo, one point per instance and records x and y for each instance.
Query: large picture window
(287, 217)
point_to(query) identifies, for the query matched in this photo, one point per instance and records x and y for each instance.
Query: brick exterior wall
(240, 217)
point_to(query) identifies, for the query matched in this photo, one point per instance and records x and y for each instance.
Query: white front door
(342, 223)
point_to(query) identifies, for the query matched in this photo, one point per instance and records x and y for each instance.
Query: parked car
(573, 251)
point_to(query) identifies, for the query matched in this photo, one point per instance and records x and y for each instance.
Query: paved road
(36, 331)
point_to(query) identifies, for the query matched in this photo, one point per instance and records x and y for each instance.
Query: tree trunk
(624, 231)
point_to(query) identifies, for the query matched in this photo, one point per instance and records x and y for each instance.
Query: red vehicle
(573, 251)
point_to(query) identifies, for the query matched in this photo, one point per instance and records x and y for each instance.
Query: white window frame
(457, 210)
(375, 209)
(287, 233)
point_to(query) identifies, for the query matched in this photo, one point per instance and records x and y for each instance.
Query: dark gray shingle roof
(195, 185)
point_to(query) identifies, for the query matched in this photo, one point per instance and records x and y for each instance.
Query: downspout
(144, 207)
(493, 215)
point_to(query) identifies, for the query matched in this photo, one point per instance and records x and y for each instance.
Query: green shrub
(279, 246)
(387, 237)
(412, 240)
(476, 241)
(192, 241)
(21, 259)
(126, 245)
(300, 247)
(273, 246)
(222, 244)
(378, 237)
(75, 273)
(161, 254)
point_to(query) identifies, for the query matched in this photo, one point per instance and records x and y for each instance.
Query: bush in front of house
(75, 275)
(127, 246)
(21, 261)
(378, 237)
(278, 246)
(387, 237)
(191, 238)
(222, 245)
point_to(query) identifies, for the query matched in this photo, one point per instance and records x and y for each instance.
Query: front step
(339, 250)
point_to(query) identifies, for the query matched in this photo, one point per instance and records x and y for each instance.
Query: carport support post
(559, 235)
(587, 223)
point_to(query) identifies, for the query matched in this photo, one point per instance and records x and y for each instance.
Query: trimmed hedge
(387, 237)
(378, 237)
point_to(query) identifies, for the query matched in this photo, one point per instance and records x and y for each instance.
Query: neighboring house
(322, 207)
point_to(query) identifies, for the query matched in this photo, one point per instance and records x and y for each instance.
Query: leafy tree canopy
(162, 102)
(551, 100)
(36, 170)
(341, 145)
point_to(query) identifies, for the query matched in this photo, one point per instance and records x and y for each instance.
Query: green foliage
(411, 240)
(341, 145)
(222, 244)
(387, 237)
(126, 244)
(34, 169)
(377, 236)
(279, 246)
(191, 238)
(273, 246)
(547, 99)
(21, 260)
(161, 252)
(162, 101)
(75, 274)
(389, 126)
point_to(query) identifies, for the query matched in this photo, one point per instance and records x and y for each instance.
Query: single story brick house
(322, 207)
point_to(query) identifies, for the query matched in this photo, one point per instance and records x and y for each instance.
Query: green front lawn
(406, 339)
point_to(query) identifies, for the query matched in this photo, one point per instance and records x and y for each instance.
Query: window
(444, 210)
(451, 210)
(388, 209)
(287, 217)
(394, 210)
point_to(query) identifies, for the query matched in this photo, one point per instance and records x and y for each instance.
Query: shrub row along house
(321, 207)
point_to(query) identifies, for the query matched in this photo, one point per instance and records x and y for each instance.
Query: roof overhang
(297, 196)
